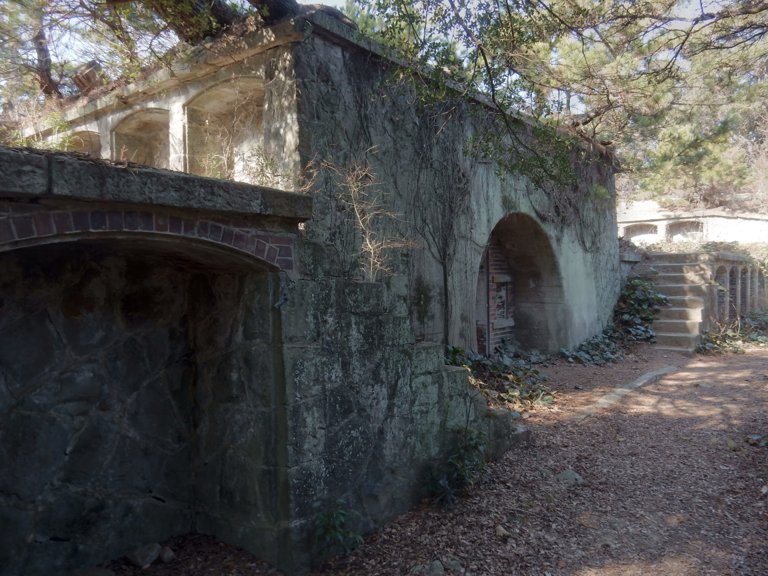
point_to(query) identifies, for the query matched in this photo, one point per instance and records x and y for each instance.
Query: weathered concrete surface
(358, 403)
(37, 175)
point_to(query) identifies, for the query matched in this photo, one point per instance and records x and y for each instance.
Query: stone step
(686, 302)
(678, 257)
(686, 327)
(682, 313)
(699, 290)
(680, 277)
(686, 341)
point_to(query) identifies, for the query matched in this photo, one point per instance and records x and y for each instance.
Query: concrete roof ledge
(36, 174)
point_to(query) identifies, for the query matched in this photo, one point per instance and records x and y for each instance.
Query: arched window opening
(85, 142)
(225, 133)
(641, 233)
(685, 231)
(143, 138)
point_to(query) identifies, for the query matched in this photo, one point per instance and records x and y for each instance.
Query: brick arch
(24, 225)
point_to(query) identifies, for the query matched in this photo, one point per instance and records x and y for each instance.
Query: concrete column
(661, 231)
(176, 136)
(755, 300)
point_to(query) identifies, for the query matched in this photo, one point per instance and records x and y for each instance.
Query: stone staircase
(686, 280)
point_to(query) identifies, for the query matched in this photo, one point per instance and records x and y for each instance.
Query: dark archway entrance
(519, 290)
(137, 401)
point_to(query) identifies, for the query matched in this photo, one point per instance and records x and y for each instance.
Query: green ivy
(461, 470)
(638, 305)
(332, 533)
(513, 380)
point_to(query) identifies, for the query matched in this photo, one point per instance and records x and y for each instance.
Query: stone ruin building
(227, 355)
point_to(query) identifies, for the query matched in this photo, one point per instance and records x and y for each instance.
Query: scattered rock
(434, 568)
(569, 478)
(93, 571)
(166, 555)
(453, 565)
(502, 532)
(144, 557)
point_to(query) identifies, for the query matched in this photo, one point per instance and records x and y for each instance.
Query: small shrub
(511, 380)
(750, 330)
(332, 532)
(638, 305)
(464, 466)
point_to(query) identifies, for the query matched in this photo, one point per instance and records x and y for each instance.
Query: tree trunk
(193, 20)
(48, 85)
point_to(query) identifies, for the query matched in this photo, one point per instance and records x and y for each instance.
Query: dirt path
(665, 484)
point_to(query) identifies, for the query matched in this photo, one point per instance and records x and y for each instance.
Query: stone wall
(371, 405)
(331, 385)
(137, 402)
(354, 113)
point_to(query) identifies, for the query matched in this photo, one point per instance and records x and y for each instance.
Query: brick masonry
(22, 223)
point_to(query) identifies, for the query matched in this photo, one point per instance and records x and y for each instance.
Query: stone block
(428, 357)
(397, 295)
(257, 303)
(87, 452)
(363, 298)
(75, 178)
(24, 173)
(309, 371)
(17, 532)
(309, 314)
(33, 448)
(27, 347)
(307, 430)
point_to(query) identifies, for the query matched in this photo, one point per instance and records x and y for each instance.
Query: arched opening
(519, 290)
(733, 294)
(143, 138)
(685, 230)
(745, 292)
(85, 142)
(722, 295)
(136, 404)
(641, 233)
(225, 133)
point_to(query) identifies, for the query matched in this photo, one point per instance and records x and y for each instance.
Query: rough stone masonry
(180, 353)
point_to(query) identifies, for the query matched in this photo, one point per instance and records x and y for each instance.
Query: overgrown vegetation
(750, 330)
(333, 534)
(464, 466)
(513, 381)
(638, 304)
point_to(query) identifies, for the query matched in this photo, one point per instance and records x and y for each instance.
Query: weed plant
(332, 532)
(750, 330)
(461, 470)
(514, 381)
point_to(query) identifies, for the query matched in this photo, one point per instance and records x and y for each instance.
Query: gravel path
(662, 482)
(665, 483)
